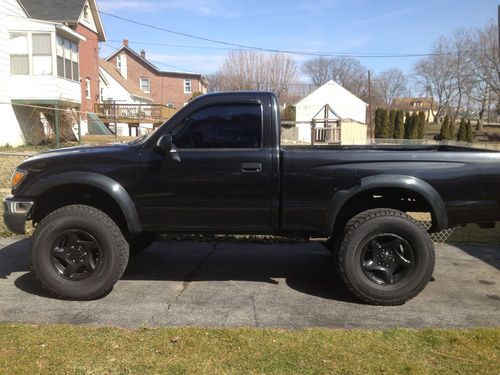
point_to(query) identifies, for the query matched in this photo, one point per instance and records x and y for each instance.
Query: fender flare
(96, 180)
(413, 184)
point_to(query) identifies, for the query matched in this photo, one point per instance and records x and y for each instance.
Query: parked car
(217, 167)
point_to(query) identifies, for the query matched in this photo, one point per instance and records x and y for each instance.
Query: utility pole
(370, 128)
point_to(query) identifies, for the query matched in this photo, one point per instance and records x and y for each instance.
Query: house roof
(63, 11)
(150, 65)
(331, 84)
(125, 83)
(408, 104)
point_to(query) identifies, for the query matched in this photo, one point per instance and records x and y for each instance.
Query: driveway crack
(188, 278)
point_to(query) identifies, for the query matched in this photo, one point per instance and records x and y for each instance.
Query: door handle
(251, 167)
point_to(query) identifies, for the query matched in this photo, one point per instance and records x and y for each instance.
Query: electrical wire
(292, 52)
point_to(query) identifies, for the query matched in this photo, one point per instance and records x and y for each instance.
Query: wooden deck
(133, 114)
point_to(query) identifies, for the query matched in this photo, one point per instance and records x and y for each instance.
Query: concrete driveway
(255, 285)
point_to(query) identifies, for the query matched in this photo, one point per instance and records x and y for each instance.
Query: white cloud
(221, 8)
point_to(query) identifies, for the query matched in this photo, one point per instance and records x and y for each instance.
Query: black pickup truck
(217, 167)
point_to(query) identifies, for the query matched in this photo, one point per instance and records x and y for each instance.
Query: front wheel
(385, 257)
(78, 252)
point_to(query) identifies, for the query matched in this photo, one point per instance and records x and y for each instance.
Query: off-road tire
(114, 248)
(374, 222)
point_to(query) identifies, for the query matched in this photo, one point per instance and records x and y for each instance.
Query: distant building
(412, 105)
(340, 106)
(169, 88)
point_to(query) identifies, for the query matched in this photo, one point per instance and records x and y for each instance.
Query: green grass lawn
(61, 349)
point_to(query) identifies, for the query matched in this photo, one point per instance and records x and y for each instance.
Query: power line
(292, 52)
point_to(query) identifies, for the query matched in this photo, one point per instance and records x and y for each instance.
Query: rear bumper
(15, 213)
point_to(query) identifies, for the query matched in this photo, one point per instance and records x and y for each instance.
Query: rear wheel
(385, 257)
(78, 252)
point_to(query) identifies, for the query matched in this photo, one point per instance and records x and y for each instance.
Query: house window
(170, 105)
(101, 94)
(86, 12)
(145, 85)
(19, 57)
(187, 86)
(119, 61)
(87, 88)
(42, 54)
(67, 59)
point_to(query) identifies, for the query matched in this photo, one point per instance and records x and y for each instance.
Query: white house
(39, 64)
(116, 89)
(341, 105)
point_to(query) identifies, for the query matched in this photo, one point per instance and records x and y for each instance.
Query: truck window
(221, 126)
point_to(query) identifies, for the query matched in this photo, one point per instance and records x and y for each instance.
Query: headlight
(17, 177)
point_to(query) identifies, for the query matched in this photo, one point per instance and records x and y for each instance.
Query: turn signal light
(17, 178)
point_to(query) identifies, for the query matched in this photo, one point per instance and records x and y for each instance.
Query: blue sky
(353, 26)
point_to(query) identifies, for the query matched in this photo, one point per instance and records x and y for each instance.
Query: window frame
(86, 14)
(28, 55)
(33, 54)
(186, 80)
(216, 149)
(88, 94)
(72, 61)
(149, 84)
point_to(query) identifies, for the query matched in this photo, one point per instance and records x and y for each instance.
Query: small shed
(348, 111)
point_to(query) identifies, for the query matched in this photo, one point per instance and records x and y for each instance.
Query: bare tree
(247, 70)
(486, 65)
(346, 71)
(318, 70)
(390, 84)
(435, 74)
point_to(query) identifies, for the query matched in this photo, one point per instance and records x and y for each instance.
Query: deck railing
(134, 112)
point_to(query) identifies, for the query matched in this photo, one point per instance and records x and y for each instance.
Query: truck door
(222, 182)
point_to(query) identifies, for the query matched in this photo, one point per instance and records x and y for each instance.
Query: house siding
(89, 67)
(10, 131)
(165, 87)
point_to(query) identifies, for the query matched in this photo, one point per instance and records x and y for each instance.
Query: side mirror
(166, 146)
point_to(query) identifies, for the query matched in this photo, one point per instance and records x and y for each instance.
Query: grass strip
(63, 349)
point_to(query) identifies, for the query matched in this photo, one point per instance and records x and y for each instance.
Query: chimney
(125, 42)
(143, 54)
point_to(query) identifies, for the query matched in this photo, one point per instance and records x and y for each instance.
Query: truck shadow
(488, 254)
(307, 268)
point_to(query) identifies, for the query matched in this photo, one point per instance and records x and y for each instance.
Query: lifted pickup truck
(217, 167)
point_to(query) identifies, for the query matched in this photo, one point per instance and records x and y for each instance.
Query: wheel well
(395, 198)
(68, 194)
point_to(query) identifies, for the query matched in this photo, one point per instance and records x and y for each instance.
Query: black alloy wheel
(75, 254)
(387, 259)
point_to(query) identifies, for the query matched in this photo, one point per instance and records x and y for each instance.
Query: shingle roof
(54, 10)
(127, 85)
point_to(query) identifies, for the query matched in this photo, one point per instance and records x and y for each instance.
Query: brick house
(83, 17)
(169, 88)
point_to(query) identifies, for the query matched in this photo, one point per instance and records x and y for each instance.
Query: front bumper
(15, 213)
